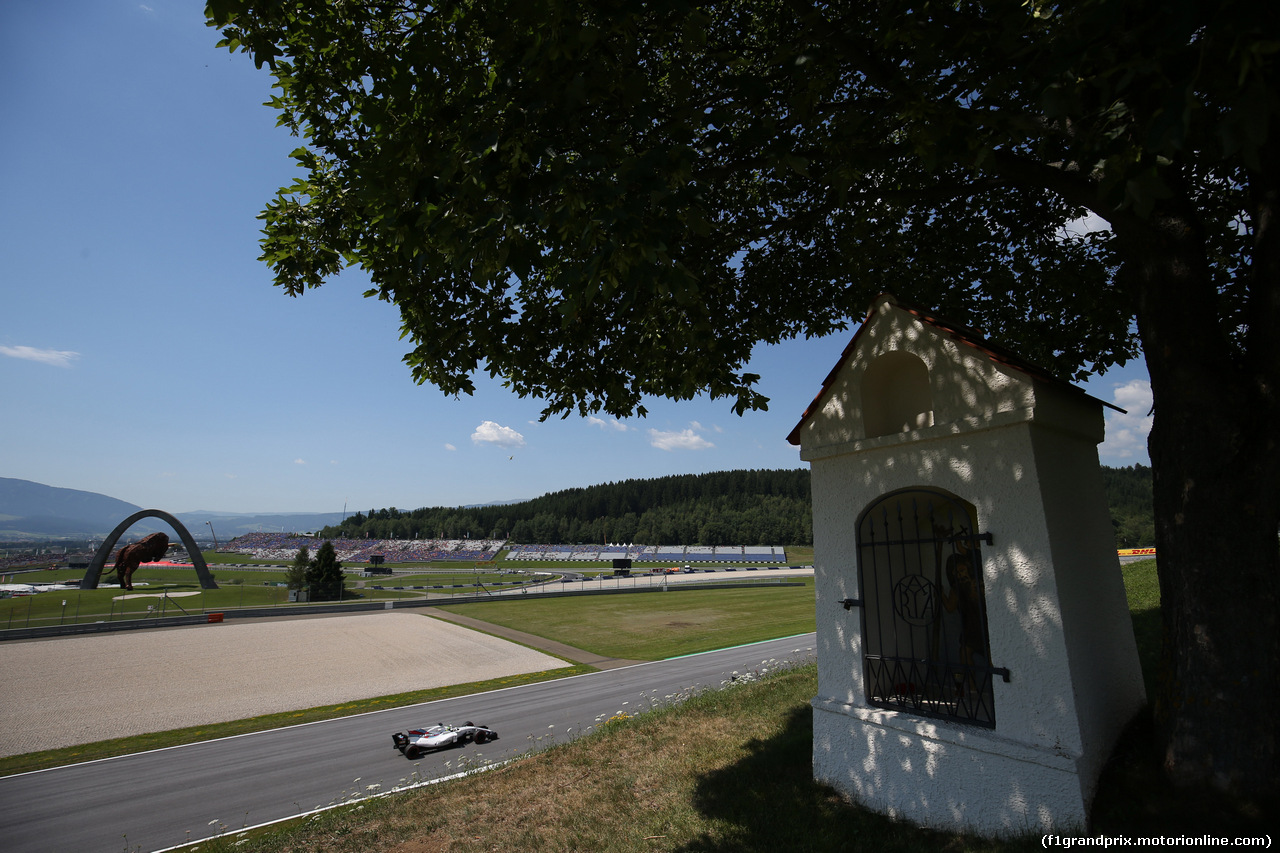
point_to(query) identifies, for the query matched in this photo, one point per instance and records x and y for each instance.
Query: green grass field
(163, 592)
(157, 593)
(659, 625)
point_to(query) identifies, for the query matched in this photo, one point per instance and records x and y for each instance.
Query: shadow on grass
(1146, 632)
(769, 802)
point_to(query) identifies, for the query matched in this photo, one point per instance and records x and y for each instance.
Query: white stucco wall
(1023, 452)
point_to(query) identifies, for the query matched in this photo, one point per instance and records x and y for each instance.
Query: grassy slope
(725, 771)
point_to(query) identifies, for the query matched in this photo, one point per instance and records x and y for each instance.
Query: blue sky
(144, 353)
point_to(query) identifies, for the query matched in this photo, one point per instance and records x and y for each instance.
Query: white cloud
(299, 462)
(493, 433)
(610, 423)
(57, 358)
(686, 439)
(1126, 440)
(448, 446)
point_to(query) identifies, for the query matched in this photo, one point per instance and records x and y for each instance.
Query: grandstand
(285, 546)
(650, 553)
(277, 547)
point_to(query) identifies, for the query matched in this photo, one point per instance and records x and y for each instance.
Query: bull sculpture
(150, 549)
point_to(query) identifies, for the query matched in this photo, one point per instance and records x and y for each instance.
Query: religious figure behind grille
(965, 597)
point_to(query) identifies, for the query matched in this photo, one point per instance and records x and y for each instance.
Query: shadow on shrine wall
(920, 405)
(1007, 589)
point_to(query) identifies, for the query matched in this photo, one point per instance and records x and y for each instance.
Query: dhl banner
(1135, 552)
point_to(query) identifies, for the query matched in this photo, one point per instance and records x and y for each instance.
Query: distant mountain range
(33, 511)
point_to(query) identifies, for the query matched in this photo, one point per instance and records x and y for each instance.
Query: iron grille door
(925, 622)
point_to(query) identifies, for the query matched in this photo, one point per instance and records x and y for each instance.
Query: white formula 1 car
(418, 741)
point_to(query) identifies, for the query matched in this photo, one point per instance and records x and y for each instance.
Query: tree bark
(1215, 455)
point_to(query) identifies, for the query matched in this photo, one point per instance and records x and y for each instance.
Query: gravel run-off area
(68, 690)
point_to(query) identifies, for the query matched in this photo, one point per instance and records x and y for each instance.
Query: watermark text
(1048, 841)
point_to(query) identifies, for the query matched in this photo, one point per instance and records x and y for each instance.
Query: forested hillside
(722, 508)
(1129, 497)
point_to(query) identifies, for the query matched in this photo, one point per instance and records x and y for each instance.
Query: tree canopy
(598, 201)
(296, 575)
(324, 576)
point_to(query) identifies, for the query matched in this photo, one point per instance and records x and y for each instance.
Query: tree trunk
(1215, 455)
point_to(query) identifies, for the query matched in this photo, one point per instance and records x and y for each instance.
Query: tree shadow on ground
(770, 802)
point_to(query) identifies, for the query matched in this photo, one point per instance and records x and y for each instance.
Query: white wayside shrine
(976, 660)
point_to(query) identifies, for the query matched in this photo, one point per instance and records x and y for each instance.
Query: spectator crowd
(285, 546)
